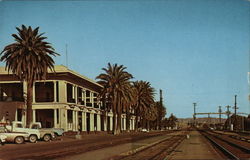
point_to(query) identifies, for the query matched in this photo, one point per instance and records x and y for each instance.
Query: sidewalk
(196, 147)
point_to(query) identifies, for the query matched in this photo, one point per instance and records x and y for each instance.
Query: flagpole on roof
(67, 55)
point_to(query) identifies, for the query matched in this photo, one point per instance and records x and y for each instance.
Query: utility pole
(159, 118)
(209, 119)
(228, 114)
(220, 113)
(235, 104)
(194, 113)
(235, 110)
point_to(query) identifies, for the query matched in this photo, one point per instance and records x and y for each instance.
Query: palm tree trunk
(118, 123)
(128, 116)
(29, 103)
(114, 121)
(148, 125)
(114, 115)
(136, 120)
(119, 109)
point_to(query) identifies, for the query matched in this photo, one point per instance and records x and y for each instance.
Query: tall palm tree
(144, 98)
(127, 102)
(161, 112)
(149, 116)
(115, 81)
(29, 58)
(172, 121)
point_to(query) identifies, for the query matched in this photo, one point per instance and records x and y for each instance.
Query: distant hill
(182, 122)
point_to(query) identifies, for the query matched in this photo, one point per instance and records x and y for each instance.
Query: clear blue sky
(194, 50)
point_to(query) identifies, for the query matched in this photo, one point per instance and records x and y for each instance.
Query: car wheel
(46, 137)
(19, 140)
(56, 135)
(33, 138)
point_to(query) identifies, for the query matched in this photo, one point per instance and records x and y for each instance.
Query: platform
(196, 147)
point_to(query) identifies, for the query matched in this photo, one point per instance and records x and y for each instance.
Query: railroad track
(238, 136)
(79, 147)
(230, 149)
(155, 151)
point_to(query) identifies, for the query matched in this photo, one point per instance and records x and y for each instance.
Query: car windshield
(35, 127)
(19, 125)
(4, 130)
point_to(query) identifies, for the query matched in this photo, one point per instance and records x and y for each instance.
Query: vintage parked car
(34, 133)
(46, 133)
(56, 131)
(16, 137)
(2, 139)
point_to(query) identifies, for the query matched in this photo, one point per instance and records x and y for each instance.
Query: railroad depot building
(65, 100)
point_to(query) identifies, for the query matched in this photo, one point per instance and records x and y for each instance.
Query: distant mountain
(185, 121)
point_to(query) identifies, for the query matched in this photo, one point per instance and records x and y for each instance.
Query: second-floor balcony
(44, 92)
(11, 92)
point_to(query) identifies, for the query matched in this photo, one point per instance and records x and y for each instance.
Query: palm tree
(144, 98)
(172, 121)
(115, 81)
(161, 112)
(151, 115)
(29, 58)
(127, 103)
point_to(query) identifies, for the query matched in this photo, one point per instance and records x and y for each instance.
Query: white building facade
(65, 100)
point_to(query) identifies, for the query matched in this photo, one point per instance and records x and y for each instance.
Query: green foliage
(29, 57)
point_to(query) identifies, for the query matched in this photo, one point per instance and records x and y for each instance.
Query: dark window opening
(11, 92)
(88, 100)
(57, 91)
(44, 91)
(57, 115)
(95, 122)
(70, 116)
(19, 114)
(80, 96)
(46, 117)
(70, 93)
(88, 121)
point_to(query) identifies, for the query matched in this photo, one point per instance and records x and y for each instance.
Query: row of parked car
(17, 133)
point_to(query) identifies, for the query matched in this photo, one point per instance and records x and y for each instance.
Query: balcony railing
(49, 99)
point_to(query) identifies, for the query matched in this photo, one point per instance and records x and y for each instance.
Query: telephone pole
(228, 114)
(194, 112)
(235, 110)
(220, 113)
(235, 105)
(159, 118)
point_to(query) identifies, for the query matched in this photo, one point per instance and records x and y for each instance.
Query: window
(44, 91)
(70, 93)
(34, 127)
(95, 100)
(19, 125)
(88, 98)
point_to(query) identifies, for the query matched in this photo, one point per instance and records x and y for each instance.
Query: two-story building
(65, 99)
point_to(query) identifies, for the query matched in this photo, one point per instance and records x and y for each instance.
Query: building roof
(59, 69)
